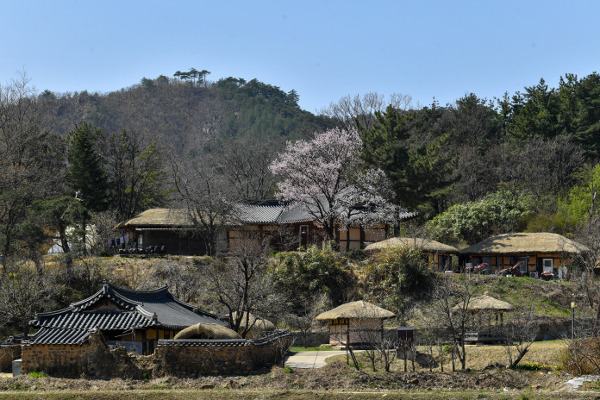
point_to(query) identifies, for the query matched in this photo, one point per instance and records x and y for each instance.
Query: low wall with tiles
(310, 339)
(188, 358)
(218, 357)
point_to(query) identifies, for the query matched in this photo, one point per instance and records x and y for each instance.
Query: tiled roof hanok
(138, 310)
(60, 336)
(99, 319)
(259, 213)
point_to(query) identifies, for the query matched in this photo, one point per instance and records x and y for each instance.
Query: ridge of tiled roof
(110, 292)
(259, 213)
(139, 309)
(60, 336)
(97, 319)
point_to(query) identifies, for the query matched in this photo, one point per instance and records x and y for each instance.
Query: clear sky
(323, 49)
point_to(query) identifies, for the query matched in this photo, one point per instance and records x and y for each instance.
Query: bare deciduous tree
(350, 110)
(450, 305)
(29, 160)
(23, 292)
(519, 333)
(311, 306)
(206, 196)
(241, 284)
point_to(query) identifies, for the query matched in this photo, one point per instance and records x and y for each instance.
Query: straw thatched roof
(427, 245)
(207, 331)
(488, 303)
(526, 243)
(255, 322)
(159, 217)
(356, 309)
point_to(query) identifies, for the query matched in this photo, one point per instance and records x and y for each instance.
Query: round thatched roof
(255, 322)
(488, 303)
(356, 309)
(207, 331)
(526, 243)
(424, 244)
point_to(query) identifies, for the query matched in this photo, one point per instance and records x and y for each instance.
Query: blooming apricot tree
(318, 175)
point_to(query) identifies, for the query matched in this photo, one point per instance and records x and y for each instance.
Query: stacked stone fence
(8, 353)
(188, 358)
(91, 359)
(312, 339)
(219, 357)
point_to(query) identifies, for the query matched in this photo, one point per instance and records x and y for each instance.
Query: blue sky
(322, 49)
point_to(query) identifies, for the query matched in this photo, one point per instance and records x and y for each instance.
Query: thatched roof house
(356, 322)
(488, 303)
(356, 309)
(438, 254)
(541, 252)
(247, 224)
(427, 245)
(159, 218)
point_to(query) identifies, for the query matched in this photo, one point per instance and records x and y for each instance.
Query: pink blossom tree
(323, 177)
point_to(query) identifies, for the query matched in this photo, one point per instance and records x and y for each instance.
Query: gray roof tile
(138, 310)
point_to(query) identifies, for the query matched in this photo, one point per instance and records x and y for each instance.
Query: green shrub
(36, 374)
(395, 275)
(301, 274)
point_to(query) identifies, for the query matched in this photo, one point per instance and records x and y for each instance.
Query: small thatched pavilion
(355, 323)
(482, 309)
(438, 254)
(540, 252)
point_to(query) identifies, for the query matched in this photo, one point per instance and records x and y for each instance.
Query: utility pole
(572, 320)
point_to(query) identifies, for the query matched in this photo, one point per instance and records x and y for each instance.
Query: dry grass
(478, 357)
(293, 395)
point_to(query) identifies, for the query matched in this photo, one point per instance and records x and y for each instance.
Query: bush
(471, 222)
(301, 274)
(582, 356)
(395, 275)
(36, 374)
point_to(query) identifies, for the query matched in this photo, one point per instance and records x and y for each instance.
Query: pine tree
(86, 175)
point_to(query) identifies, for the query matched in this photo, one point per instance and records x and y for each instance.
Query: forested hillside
(522, 161)
(186, 114)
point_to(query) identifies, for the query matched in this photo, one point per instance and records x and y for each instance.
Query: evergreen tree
(418, 171)
(86, 175)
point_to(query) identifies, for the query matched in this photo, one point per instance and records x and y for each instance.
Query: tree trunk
(519, 358)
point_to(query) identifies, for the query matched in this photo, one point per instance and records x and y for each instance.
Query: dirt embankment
(334, 376)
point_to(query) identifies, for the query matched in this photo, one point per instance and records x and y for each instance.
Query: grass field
(479, 357)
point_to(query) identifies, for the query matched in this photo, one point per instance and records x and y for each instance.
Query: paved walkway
(574, 384)
(310, 359)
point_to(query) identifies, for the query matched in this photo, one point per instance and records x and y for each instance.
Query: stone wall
(313, 339)
(92, 359)
(206, 357)
(7, 355)
(172, 357)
